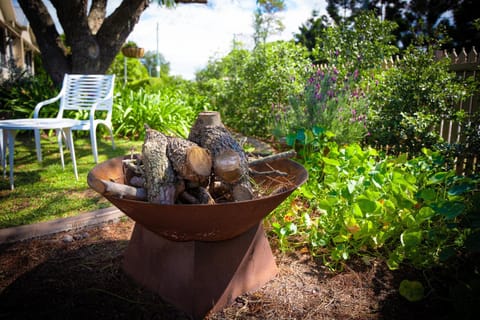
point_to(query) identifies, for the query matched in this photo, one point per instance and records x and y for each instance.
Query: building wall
(17, 42)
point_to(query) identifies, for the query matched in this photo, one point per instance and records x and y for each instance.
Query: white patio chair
(88, 93)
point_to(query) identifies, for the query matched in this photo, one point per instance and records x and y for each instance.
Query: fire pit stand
(199, 276)
(200, 257)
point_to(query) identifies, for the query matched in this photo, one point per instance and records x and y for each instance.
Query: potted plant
(131, 50)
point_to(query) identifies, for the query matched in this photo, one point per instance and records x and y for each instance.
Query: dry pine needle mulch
(78, 275)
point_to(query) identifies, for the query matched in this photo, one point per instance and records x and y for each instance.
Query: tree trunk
(93, 38)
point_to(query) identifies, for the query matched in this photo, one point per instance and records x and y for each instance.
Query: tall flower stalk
(332, 102)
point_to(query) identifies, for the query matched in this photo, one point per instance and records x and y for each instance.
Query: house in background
(17, 41)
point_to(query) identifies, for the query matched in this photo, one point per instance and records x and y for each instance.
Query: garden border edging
(35, 230)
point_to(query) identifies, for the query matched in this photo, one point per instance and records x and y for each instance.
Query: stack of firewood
(208, 167)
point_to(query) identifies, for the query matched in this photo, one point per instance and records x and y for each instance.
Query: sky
(190, 34)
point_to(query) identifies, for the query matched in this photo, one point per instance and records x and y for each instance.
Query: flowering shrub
(332, 102)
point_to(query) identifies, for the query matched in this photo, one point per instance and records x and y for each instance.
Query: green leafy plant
(336, 104)
(410, 100)
(245, 86)
(360, 202)
(19, 96)
(168, 111)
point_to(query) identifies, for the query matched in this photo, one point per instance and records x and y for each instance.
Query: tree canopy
(450, 21)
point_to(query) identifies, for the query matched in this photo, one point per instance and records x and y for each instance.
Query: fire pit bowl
(203, 222)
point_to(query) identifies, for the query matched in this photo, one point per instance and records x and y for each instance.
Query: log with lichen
(160, 178)
(209, 167)
(230, 163)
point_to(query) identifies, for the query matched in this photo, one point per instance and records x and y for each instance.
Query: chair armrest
(39, 105)
(108, 100)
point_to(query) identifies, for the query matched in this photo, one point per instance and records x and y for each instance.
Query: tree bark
(230, 162)
(189, 161)
(159, 175)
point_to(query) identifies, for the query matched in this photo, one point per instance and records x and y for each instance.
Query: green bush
(245, 87)
(332, 103)
(19, 96)
(410, 100)
(169, 111)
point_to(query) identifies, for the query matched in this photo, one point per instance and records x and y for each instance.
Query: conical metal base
(196, 276)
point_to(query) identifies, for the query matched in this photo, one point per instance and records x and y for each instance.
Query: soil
(78, 274)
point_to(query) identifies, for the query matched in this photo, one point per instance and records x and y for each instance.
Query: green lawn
(43, 191)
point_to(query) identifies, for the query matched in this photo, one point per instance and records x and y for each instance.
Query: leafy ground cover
(43, 191)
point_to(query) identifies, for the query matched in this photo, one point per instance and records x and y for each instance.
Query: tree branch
(48, 39)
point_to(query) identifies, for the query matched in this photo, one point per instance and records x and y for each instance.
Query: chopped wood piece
(208, 132)
(202, 195)
(273, 157)
(205, 119)
(124, 191)
(189, 161)
(137, 181)
(159, 175)
(228, 166)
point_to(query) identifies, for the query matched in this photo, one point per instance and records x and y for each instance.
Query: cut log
(228, 166)
(189, 161)
(230, 163)
(124, 191)
(159, 175)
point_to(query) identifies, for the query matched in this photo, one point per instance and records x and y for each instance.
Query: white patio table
(11, 126)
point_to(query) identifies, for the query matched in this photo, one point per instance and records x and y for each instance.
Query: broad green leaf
(438, 177)
(460, 189)
(427, 194)
(412, 290)
(331, 162)
(425, 213)
(366, 205)
(411, 239)
(450, 209)
(356, 211)
(290, 139)
(301, 135)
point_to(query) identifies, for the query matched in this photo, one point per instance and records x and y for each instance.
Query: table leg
(11, 144)
(68, 136)
(3, 152)
(38, 146)
(60, 146)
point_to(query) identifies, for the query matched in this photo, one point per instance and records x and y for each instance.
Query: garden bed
(78, 274)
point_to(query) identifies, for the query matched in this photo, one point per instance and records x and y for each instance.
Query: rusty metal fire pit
(199, 257)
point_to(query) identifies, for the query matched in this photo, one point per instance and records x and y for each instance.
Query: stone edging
(36, 230)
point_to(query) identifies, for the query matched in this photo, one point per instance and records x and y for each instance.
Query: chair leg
(111, 136)
(93, 141)
(38, 146)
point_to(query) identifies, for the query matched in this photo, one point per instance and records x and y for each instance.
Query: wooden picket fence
(465, 65)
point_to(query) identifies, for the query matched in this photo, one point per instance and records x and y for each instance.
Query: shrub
(169, 111)
(245, 85)
(330, 102)
(410, 100)
(19, 96)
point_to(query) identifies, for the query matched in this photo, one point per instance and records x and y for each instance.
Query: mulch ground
(78, 275)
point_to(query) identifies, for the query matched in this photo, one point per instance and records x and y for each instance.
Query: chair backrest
(81, 91)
